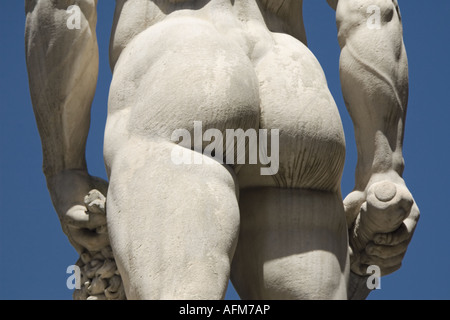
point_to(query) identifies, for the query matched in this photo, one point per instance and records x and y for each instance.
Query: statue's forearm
(62, 62)
(374, 77)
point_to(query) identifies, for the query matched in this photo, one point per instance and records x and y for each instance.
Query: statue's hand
(382, 220)
(79, 199)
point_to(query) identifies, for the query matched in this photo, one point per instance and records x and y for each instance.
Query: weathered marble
(180, 230)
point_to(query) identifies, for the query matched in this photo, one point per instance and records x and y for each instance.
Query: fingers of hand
(90, 216)
(403, 233)
(88, 227)
(388, 249)
(352, 204)
(386, 252)
(88, 239)
(78, 217)
(387, 258)
(95, 202)
(387, 265)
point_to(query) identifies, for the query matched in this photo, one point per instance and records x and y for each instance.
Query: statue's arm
(62, 68)
(62, 63)
(374, 78)
(381, 212)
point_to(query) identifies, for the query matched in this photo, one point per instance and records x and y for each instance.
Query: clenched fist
(383, 219)
(79, 199)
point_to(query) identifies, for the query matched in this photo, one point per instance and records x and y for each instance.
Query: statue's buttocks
(168, 79)
(187, 68)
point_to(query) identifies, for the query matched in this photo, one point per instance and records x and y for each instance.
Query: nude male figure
(181, 231)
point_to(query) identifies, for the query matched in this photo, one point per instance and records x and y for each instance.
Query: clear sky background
(34, 252)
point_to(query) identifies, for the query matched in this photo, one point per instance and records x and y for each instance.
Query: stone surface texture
(162, 230)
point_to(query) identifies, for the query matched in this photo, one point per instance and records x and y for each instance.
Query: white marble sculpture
(181, 230)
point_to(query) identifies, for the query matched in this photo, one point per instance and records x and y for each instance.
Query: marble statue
(166, 229)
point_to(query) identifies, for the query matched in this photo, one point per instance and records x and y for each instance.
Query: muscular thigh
(296, 100)
(292, 245)
(173, 232)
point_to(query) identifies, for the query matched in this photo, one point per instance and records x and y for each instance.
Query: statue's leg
(293, 236)
(292, 245)
(174, 227)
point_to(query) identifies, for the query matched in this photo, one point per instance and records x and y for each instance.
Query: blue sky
(34, 253)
